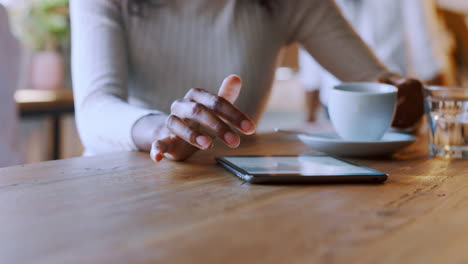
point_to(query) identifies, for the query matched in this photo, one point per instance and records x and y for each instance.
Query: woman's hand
(313, 105)
(199, 117)
(410, 103)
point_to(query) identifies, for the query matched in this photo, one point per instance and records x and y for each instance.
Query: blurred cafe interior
(124, 123)
(37, 109)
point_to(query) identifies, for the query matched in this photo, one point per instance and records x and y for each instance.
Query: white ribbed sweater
(126, 67)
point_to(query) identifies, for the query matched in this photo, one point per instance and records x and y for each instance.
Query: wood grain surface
(123, 208)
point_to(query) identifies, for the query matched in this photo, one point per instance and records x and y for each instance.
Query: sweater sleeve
(322, 30)
(99, 68)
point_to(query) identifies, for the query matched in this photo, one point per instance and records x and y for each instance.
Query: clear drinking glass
(447, 115)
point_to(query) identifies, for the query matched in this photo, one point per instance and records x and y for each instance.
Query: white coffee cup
(362, 111)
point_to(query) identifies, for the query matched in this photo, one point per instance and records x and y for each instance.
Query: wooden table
(48, 103)
(123, 208)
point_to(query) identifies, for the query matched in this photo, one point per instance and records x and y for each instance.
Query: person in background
(9, 71)
(406, 35)
(146, 74)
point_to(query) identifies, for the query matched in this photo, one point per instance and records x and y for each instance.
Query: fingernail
(234, 77)
(204, 141)
(248, 127)
(158, 157)
(232, 139)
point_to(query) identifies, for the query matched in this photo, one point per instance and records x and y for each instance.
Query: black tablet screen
(300, 165)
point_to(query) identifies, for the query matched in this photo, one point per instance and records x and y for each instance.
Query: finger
(410, 104)
(190, 135)
(230, 88)
(171, 147)
(159, 147)
(200, 114)
(156, 156)
(222, 108)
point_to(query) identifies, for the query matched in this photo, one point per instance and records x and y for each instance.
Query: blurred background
(36, 101)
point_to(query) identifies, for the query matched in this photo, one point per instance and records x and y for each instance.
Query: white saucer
(330, 143)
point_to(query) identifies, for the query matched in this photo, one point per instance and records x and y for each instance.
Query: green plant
(42, 24)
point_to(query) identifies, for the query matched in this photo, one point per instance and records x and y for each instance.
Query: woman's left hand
(410, 102)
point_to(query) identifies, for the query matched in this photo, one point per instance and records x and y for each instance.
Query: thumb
(231, 87)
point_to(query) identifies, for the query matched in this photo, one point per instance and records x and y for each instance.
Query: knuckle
(413, 83)
(191, 135)
(418, 85)
(176, 104)
(194, 90)
(197, 109)
(218, 102)
(220, 127)
(171, 120)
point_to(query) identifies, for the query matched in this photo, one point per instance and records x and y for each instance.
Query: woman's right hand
(199, 117)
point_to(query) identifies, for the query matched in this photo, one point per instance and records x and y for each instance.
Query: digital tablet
(299, 169)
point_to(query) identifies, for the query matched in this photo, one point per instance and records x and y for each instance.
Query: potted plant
(43, 26)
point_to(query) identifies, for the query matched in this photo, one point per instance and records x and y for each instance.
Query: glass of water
(447, 116)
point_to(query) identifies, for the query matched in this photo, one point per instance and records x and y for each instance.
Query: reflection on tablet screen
(305, 165)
